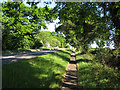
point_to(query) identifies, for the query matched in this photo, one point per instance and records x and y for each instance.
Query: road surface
(10, 58)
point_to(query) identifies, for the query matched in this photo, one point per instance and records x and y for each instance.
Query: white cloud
(94, 45)
(51, 26)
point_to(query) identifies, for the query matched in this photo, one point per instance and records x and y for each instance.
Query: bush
(55, 42)
(26, 43)
(67, 46)
(37, 44)
(107, 56)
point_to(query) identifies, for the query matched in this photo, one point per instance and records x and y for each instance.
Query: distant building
(47, 44)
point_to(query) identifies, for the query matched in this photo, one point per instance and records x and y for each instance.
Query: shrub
(37, 44)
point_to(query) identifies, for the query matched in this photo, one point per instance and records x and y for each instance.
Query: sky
(51, 26)
(94, 45)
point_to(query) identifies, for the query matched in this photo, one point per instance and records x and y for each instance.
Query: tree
(43, 37)
(81, 23)
(54, 39)
(60, 38)
(111, 13)
(21, 22)
(114, 9)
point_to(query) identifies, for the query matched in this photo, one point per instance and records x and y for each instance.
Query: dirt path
(71, 80)
(10, 58)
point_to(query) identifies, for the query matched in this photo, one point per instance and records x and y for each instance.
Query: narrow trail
(71, 80)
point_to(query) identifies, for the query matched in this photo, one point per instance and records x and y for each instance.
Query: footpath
(70, 81)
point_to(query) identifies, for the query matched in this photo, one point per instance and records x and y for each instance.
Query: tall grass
(94, 75)
(46, 71)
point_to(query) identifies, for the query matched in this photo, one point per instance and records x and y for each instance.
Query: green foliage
(67, 46)
(86, 22)
(43, 37)
(101, 44)
(20, 22)
(54, 39)
(106, 56)
(115, 17)
(37, 44)
(55, 42)
(60, 38)
(81, 23)
(93, 75)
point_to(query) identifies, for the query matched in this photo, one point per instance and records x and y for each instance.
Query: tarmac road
(15, 57)
(10, 58)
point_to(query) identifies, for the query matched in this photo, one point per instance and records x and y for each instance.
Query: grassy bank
(24, 50)
(46, 71)
(94, 75)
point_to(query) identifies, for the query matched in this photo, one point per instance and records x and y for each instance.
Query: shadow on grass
(93, 52)
(63, 56)
(95, 76)
(45, 49)
(66, 52)
(82, 53)
(80, 60)
(84, 60)
(40, 72)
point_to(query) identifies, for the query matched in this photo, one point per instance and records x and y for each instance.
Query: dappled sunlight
(94, 75)
(45, 71)
(64, 55)
(84, 56)
(35, 57)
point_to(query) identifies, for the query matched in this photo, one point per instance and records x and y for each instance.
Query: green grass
(17, 50)
(22, 50)
(46, 71)
(94, 75)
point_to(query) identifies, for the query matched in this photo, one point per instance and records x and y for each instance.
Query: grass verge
(46, 71)
(23, 50)
(94, 75)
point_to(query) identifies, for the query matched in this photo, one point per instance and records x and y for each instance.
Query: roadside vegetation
(25, 50)
(21, 27)
(46, 71)
(80, 25)
(95, 74)
(83, 25)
